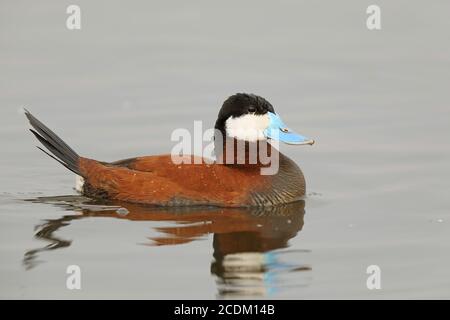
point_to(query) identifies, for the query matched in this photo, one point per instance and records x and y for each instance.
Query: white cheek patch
(249, 127)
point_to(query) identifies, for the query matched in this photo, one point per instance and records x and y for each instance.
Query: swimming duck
(245, 125)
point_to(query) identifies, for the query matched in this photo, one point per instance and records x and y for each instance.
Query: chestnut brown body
(157, 180)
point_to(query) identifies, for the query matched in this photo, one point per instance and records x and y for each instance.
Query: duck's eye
(251, 109)
(286, 130)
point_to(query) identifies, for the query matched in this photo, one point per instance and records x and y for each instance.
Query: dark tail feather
(60, 150)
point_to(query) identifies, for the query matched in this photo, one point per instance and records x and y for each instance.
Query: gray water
(376, 102)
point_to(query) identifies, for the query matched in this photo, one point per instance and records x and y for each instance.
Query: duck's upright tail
(61, 152)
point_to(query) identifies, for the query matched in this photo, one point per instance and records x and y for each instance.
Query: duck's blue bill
(277, 130)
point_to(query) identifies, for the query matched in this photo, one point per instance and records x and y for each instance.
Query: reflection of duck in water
(249, 262)
(247, 242)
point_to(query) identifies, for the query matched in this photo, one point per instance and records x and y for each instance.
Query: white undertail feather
(79, 183)
(249, 127)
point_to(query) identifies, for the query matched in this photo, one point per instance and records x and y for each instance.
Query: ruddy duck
(244, 120)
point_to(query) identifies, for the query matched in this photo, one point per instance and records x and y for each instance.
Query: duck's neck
(239, 152)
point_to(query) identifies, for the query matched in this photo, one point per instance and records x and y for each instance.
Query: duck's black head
(242, 106)
(252, 118)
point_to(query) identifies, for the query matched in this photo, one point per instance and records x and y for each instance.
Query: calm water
(377, 103)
